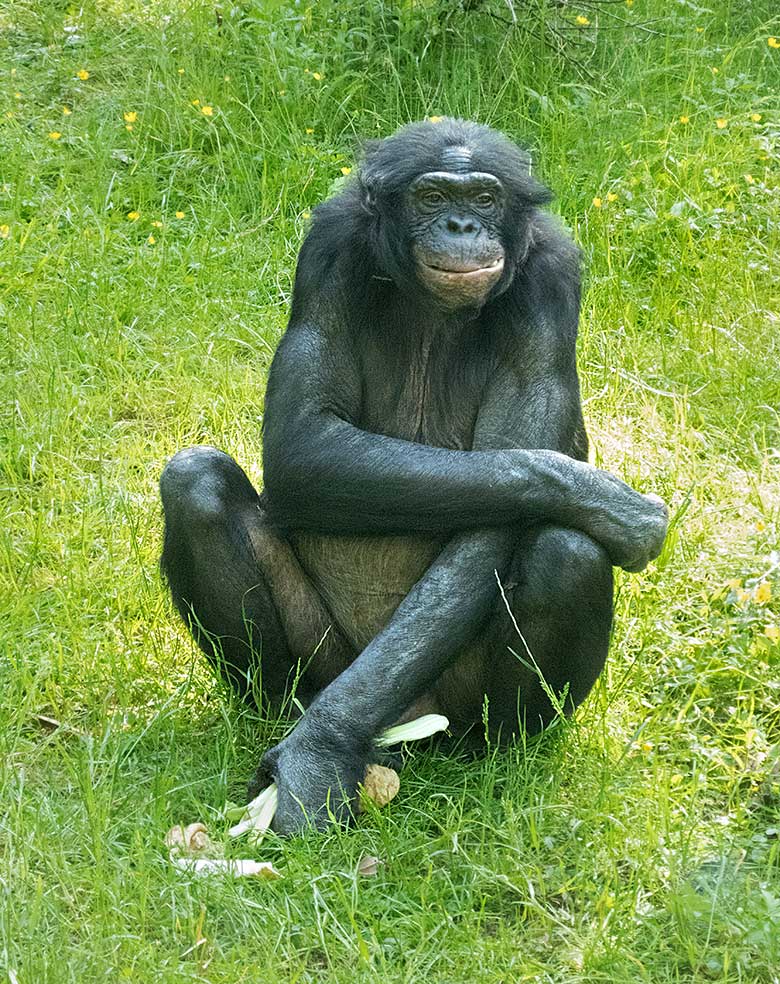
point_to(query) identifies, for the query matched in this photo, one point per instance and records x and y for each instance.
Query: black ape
(423, 436)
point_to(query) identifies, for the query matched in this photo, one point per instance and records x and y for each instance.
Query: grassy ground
(156, 169)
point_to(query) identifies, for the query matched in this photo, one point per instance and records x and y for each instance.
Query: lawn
(158, 163)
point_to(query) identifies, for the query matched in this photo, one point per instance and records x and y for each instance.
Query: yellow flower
(54, 134)
(629, 3)
(685, 119)
(207, 110)
(66, 111)
(151, 240)
(346, 170)
(597, 203)
(763, 593)
(611, 196)
(157, 224)
(196, 102)
(714, 70)
(772, 632)
(582, 20)
(721, 123)
(227, 78)
(760, 525)
(282, 92)
(309, 129)
(773, 42)
(130, 117)
(133, 216)
(129, 127)
(83, 74)
(751, 180)
(317, 76)
(179, 215)
(306, 215)
(5, 231)
(435, 119)
(756, 117)
(180, 71)
(17, 95)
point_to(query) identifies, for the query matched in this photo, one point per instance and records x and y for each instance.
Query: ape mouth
(464, 269)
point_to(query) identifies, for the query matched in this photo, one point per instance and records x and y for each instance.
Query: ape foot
(317, 782)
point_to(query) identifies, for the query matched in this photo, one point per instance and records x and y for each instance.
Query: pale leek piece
(259, 812)
(421, 727)
(239, 868)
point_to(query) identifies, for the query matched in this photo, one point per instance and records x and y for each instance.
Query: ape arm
(323, 473)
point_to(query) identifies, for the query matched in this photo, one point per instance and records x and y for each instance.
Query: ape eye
(433, 198)
(486, 199)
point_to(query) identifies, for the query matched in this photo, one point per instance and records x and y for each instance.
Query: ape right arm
(322, 473)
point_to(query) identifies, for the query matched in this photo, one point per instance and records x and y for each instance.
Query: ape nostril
(454, 224)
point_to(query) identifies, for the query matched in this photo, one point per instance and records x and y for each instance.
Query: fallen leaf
(368, 866)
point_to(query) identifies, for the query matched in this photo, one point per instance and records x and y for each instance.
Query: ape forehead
(457, 158)
(460, 183)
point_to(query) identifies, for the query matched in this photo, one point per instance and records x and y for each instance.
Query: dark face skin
(455, 220)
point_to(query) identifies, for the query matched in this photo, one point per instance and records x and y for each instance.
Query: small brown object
(192, 839)
(381, 784)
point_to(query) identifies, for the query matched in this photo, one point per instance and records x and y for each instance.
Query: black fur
(417, 446)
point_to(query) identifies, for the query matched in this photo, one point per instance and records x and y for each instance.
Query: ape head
(449, 205)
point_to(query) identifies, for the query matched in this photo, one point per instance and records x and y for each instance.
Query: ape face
(454, 220)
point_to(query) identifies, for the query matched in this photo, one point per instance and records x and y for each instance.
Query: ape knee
(568, 562)
(202, 482)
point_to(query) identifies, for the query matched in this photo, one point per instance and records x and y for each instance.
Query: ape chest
(425, 402)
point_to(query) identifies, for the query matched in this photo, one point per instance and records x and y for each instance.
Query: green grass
(639, 845)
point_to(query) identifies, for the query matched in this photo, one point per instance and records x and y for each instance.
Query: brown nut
(381, 784)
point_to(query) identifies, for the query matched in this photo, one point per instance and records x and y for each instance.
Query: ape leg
(238, 585)
(562, 603)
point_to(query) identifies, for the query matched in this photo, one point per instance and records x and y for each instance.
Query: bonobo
(423, 443)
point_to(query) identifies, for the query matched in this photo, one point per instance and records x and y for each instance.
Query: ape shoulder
(547, 284)
(336, 251)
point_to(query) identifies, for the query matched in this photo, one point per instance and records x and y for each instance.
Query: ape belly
(363, 579)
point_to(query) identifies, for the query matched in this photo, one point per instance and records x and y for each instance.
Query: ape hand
(317, 780)
(629, 525)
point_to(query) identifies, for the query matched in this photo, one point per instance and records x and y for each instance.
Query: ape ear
(368, 175)
(534, 192)
(367, 195)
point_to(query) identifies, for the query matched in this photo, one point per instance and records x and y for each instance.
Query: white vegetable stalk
(260, 811)
(421, 727)
(243, 868)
